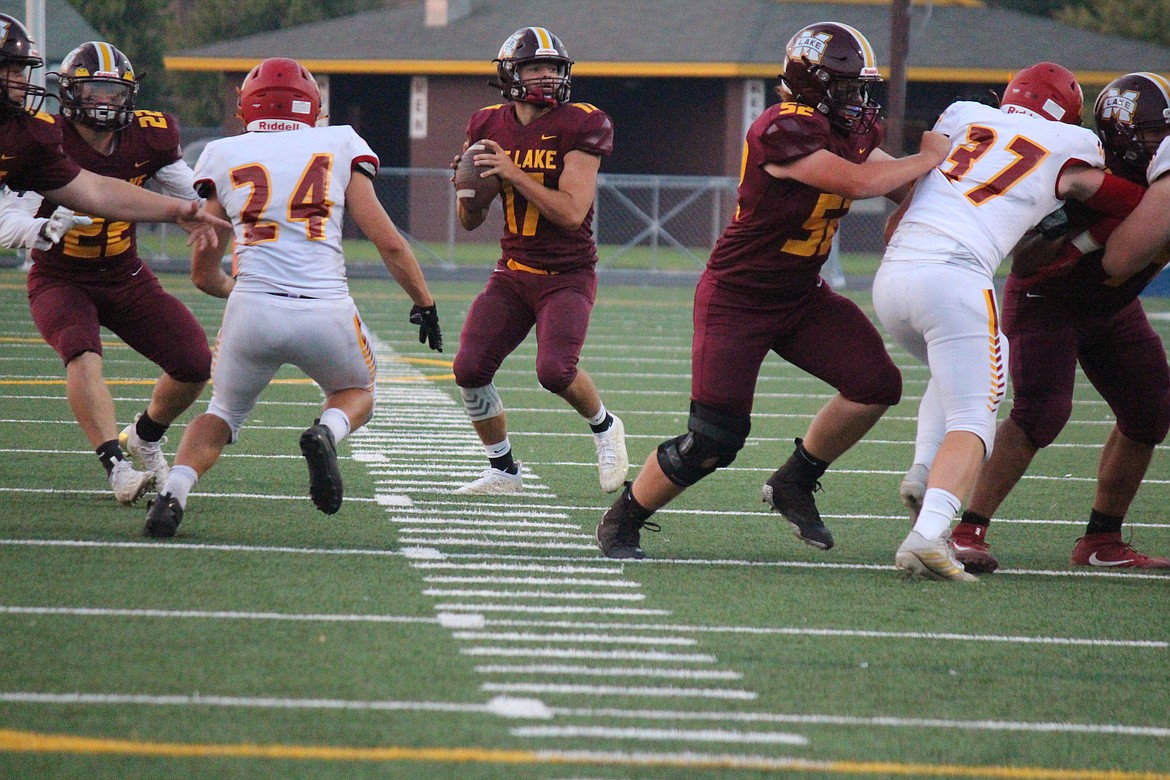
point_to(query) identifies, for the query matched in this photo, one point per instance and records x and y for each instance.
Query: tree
(1145, 20)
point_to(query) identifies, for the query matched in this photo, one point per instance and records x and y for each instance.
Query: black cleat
(618, 532)
(163, 515)
(325, 487)
(784, 493)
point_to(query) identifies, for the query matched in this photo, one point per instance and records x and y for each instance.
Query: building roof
(950, 40)
(65, 28)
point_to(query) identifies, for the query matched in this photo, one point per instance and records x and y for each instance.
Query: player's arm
(176, 180)
(1141, 235)
(104, 196)
(878, 175)
(565, 206)
(207, 261)
(21, 227)
(367, 211)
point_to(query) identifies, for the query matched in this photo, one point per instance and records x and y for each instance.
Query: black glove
(427, 319)
(1055, 225)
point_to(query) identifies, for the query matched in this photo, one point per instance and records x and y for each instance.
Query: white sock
(499, 449)
(180, 482)
(337, 422)
(599, 418)
(939, 508)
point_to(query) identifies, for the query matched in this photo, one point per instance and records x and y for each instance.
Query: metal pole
(34, 20)
(899, 51)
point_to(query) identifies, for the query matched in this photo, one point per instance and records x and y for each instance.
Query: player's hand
(201, 226)
(57, 225)
(935, 145)
(427, 319)
(494, 160)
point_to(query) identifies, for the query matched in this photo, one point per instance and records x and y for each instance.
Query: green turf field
(417, 634)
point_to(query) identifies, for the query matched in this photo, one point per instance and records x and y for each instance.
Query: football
(476, 193)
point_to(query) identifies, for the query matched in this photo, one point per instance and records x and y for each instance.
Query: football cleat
(913, 489)
(619, 532)
(783, 493)
(1110, 552)
(971, 549)
(320, 451)
(930, 558)
(613, 462)
(494, 482)
(129, 484)
(163, 515)
(149, 454)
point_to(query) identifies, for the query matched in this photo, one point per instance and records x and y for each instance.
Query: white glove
(56, 226)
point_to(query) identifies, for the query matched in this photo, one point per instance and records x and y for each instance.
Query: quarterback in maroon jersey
(547, 152)
(1067, 313)
(805, 160)
(31, 157)
(92, 276)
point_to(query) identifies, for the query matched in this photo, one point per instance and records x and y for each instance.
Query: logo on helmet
(1119, 105)
(810, 45)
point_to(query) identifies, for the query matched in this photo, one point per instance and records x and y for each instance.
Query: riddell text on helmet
(278, 124)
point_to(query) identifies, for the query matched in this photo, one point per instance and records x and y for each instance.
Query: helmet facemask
(831, 67)
(20, 94)
(1133, 118)
(534, 45)
(101, 103)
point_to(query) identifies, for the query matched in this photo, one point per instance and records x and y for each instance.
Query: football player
(31, 157)
(1007, 168)
(1082, 313)
(285, 184)
(805, 160)
(546, 151)
(87, 274)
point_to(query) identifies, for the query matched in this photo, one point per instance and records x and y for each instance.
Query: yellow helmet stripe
(866, 49)
(106, 61)
(1161, 82)
(544, 36)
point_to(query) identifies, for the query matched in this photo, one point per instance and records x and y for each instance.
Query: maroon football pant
(820, 332)
(503, 314)
(70, 309)
(1121, 355)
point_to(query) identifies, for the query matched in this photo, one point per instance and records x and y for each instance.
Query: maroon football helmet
(98, 88)
(17, 50)
(279, 90)
(831, 67)
(1047, 90)
(533, 44)
(1133, 116)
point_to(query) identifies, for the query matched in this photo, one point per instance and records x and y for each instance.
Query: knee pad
(190, 367)
(1043, 421)
(482, 403)
(712, 441)
(555, 376)
(1149, 427)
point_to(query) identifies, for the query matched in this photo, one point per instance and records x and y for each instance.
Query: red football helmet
(17, 50)
(533, 44)
(831, 67)
(1133, 116)
(278, 92)
(1047, 90)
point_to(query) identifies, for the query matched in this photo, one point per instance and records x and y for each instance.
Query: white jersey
(1160, 165)
(999, 179)
(285, 195)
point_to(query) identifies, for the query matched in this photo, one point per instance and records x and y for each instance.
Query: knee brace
(712, 441)
(482, 403)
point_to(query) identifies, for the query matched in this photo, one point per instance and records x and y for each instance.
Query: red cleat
(1110, 552)
(967, 540)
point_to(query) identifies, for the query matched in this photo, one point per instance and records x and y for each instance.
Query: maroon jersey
(149, 143)
(782, 230)
(31, 157)
(539, 150)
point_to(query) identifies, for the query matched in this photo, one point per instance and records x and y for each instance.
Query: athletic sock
(974, 518)
(1101, 523)
(939, 508)
(337, 422)
(109, 454)
(500, 456)
(179, 483)
(149, 430)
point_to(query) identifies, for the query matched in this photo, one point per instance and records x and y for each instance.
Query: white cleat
(494, 483)
(149, 454)
(913, 489)
(933, 559)
(613, 462)
(128, 484)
